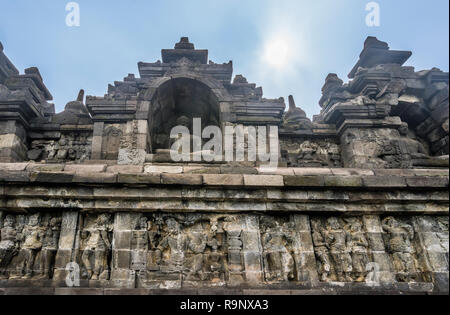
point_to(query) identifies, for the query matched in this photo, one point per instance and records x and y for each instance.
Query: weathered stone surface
(422, 181)
(384, 181)
(52, 177)
(125, 169)
(13, 166)
(124, 178)
(85, 168)
(304, 181)
(181, 179)
(100, 178)
(14, 176)
(163, 169)
(223, 180)
(263, 180)
(344, 181)
(46, 167)
(358, 204)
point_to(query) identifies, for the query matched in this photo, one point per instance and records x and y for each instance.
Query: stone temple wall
(90, 200)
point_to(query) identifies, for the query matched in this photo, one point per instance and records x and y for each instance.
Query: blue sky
(315, 38)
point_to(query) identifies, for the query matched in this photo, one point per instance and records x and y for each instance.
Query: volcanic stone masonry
(90, 198)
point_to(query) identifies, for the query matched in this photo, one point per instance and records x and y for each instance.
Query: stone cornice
(27, 186)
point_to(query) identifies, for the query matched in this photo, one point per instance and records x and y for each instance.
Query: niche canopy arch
(178, 101)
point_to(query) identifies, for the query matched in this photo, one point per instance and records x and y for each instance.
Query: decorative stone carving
(28, 246)
(277, 239)
(50, 246)
(341, 249)
(112, 136)
(298, 152)
(8, 244)
(295, 118)
(359, 248)
(399, 242)
(96, 246)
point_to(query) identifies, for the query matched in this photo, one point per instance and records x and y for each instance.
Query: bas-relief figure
(50, 247)
(359, 246)
(208, 249)
(277, 239)
(30, 244)
(96, 247)
(178, 247)
(341, 249)
(400, 236)
(8, 244)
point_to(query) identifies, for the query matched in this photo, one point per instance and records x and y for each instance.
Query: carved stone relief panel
(169, 249)
(341, 247)
(402, 244)
(28, 245)
(95, 241)
(112, 135)
(298, 152)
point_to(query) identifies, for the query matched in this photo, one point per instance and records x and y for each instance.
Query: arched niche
(180, 99)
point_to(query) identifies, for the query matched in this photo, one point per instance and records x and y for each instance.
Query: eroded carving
(341, 249)
(399, 238)
(96, 246)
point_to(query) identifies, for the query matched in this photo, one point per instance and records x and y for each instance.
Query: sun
(277, 52)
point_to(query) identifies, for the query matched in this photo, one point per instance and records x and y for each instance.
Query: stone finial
(75, 113)
(80, 97)
(292, 105)
(294, 111)
(376, 53)
(239, 78)
(295, 118)
(184, 44)
(332, 81)
(33, 71)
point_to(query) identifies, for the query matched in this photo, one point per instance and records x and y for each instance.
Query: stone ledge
(198, 176)
(223, 180)
(263, 180)
(128, 178)
(280, 290)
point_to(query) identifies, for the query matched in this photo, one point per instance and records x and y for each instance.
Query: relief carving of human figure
(176, 242)
(32, 237)
(280, 263)
(197, 242)
(96, 248)
(8, 244)
(338, 240)
(399, 244)
(49, 247)
(321, 251)
(359, 245)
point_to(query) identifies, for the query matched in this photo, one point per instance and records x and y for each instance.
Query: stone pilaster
(122, 274)
(305, 260)
(133, 144)
(13, 146)
(252, 250)
(97, 141)
(432, 243)
(67, 246)
(380, 271)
